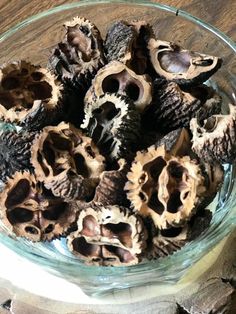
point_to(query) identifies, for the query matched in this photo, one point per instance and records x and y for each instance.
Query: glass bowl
(33, 40)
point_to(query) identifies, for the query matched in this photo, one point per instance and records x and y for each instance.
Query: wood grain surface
(220, 283)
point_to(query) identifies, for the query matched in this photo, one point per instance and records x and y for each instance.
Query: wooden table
(219, 282)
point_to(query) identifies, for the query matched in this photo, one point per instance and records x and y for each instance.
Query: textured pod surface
(30, 211)
(114, 125)
(63, 154)
(80, 54)
(214, 139)
(109, 236)
(127, 42)
(165, 187)
(29, 95)
(15, 152)
(173, 108)
(182, 66)
(110, 190)
(116, 77)
(168, 241)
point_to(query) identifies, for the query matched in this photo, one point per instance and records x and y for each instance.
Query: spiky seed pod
(177, 64)
(29, 211)
(114, 125)
(29, 95)
(108, 236)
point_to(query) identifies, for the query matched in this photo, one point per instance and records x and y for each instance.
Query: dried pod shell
(180, 65)
(108, 236)
(110, 190)
(116, 77)
(168, 241)
(29, 95)
(63, 154)
(215, 139)
(127, 42)
(80, 54)
(29, 212)
(173, 108)
(165, 187)
(114, 125)
(15, 152)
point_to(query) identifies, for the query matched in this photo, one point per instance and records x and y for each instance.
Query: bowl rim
(172, 9)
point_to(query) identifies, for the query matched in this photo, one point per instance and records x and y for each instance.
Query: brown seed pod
(110, 190)
(80, 54)
(173, 108)
(214, 139)
(177, 64)
(165, 187)
(61, 155)
(127, 42)
(30, 211)
(116, 77)
(15, 152)
(114, 125)
(108, 236)
(168, 241)
(29, 95)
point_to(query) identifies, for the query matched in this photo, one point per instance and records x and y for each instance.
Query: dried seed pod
(30, 211)
(110, 190)
(114, 125)
(61, 155)
(116, 77)
(108, 236)
(177, 64)
(173, 108)
(168, 241)
(127, 42)
(15, 152)
(165, 187)
(80, 54)
(215, 139)
(29, 95)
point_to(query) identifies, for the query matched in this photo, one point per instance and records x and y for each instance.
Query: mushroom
(177, 64)
(29, 95)
(166, 187)
(214, 138)
(30, 211)
(173, 107)
(63, 155)
(110, 190)
(15, 152)
(116, 77)
(168, 241)
(108, 235)
(80, 54)
(127, 42)
(114, 124)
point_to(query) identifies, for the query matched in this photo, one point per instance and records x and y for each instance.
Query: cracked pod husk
(63, 157)
(30, 211)
(116, 77)
(173, 108)
(166, 187)
(108, 236)
(127, 42)
(80, 53)
(110, 190)
(114, 125)
(29, 95)
(177, 64)
(15, 152)
(214, 139)
(167, 241)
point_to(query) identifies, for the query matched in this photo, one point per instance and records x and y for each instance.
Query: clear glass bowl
(32, 40)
